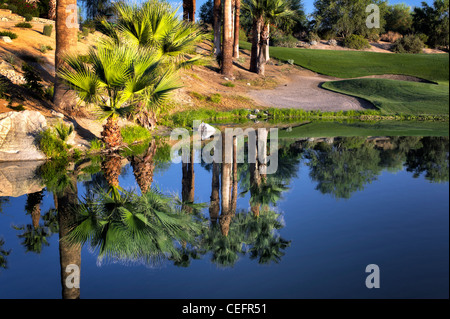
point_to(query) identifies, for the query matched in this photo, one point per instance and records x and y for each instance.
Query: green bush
(285, 41)
(51, 145)
(357, 42)
(32, 79)
(13, 8)
(216, 98)
(63, 131)
(134, 133)
(408, 44)
(25, 25)
(242, 35)
(312, 37)
(85, 31)
(48, 28)
(229, 84)
(10, 34)
(28, 17)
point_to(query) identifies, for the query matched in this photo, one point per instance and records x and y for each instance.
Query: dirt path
(304, 91)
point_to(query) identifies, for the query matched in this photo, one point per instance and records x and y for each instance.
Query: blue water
(398, 222)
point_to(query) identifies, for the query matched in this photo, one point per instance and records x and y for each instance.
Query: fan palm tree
(117, 78)
(132, 228)
(263, 12)
(33, 207)
(144, 166)
(3, 254)
(227, 49)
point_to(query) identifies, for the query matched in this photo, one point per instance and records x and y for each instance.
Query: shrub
(242, 35)
(198, 96)
(13, 8)
(44, 48)
(312, 37)
(286, 41)
(28, 17)
(134, 133)
(63, 131)
(48, 92)
(85, 31)
(51, 145)
(96, 145)
(10, 34)
(216, 98)
(390, 36)
(356, 42)
(48, 30)
(229, 84)
(408, 44)
(25, 25)
(32, 79)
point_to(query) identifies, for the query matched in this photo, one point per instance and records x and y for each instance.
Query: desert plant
(47, 31)
(357, 42)
(408, 44)
(63, 131)
(24, 25)
(216, 98)
(28, 17)
(9, 34)
(32, 79)
(51, 145)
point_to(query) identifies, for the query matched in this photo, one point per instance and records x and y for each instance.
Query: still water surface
(309, 231)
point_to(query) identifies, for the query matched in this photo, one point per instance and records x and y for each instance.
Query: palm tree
(112, 167)
(132, 228)
(52, 9)
(189, 7)
(188, 183)
(144, 166)
(263, 12)
(237, 13)
(117, 78)
(227, 51)
(33, 207)
(217, 16)
(155, 26)
(66, 40)
(3, 254)
(214, 207)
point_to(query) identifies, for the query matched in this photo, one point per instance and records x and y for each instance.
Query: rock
(206, 131)
(256, 111)
(20, 178)
(6, 39)
(57, 114)
(251, 116)
(18, 131)
(313, 42)
(332, 42)
(249, 84)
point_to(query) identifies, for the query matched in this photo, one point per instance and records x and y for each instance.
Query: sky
(309, 4)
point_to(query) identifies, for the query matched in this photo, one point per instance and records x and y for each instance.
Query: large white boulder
(18, 131)
(20, 178)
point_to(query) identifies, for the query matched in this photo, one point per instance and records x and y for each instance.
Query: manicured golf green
(395, 97)
(359, 128)
(352, 64)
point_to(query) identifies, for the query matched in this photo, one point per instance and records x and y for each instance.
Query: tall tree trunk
(268, 43)
(69, 254)
(214, 207)
(143, 168)
(263, 48)
(52, 9)
(112, 167)
(188, 183)
(255, 181)
(189, 10)
(234, 194)
(237, 13)
(111, 135)
(227, 54)
(256, 34)
(66, 40)
(217, 15)
(225, 217)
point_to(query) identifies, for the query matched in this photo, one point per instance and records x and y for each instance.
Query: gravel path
(304, 91)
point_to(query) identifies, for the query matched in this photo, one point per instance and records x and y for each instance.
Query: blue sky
(309, 4)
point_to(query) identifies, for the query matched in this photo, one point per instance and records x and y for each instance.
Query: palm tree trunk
(256, 34)
(225, 217)
(69, 254)
(217, 26)
(112, 167)
(188, 183)
(235, 178)
(268, 43)
(255, 180)
(111, 133)
(263, 47)
(52, 9)
(237, 12)
(66, 40)
(227, 54)
(214, 207)
(144, 167)
(189, 10)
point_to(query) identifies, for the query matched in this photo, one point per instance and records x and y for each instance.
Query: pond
(141, 226)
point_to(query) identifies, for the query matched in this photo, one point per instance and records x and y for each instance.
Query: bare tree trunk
(189, 10)
(69, 254)
(237, 27)
(256, 34)
(255, 181)
(225, 217)
(66, 40)
(188, 183)
(214, 207)
(235, 178)
(262, 59)
(227, 54)
(268, 43)
(217, 26)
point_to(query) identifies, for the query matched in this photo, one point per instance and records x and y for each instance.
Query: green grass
(134, 133)
(51, 145)
(397, 97)
(351, 64)
(358, 128)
